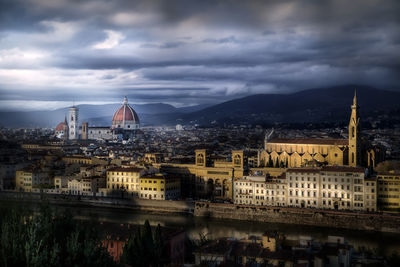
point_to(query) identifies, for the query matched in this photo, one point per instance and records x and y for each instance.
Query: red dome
(60, 126)
(130, 114)
(125, 113)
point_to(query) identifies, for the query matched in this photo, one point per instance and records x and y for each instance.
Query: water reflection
(214, 228)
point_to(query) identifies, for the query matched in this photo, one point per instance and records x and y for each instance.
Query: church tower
(73, 123)
(354, 134)
(65, 129)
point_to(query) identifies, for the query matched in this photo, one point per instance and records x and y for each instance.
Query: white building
(88, 186)
(259, 190)
(329, 187)
(303, 185)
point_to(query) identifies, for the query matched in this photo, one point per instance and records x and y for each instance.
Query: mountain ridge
(312, 105)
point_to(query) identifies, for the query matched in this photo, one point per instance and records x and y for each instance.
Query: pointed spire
(355, 98)
(125, 100)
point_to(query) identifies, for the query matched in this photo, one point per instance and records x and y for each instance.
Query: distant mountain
(96, 115)
(314, 105)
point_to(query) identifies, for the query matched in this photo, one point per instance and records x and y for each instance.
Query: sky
(184, 52)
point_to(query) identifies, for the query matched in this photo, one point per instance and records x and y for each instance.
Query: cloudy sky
(184, 52)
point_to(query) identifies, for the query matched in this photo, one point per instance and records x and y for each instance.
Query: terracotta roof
(127, 111)
(304, 170)
(60, 126)
(327, 169)
(120, 169)
(313, 141)
(342, 169)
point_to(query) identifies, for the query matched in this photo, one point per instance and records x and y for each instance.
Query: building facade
(261, 190)
(125, 180)
(329, 187)
(29, 178)
(159, 186)
(295, 152)
(87, 186)
(389, 191)
(208, 177)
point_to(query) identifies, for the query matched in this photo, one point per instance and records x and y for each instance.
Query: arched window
(200, 158)
(237, 160)
(352, 132)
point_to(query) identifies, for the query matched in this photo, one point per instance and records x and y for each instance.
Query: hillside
(313, 105)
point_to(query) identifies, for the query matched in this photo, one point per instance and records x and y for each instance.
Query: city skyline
(188, 53)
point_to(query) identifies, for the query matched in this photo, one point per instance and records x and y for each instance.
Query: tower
(85, 127)
(201, 157)
(65, 129)
(73, 122)
(354, 134)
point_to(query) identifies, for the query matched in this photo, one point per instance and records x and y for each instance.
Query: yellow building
(124, 180)
(208, 177)
(389, 191)
(84, 160)
(159, 187)
(294, 152)
(29, 178)
(77, 160)
(153, 157)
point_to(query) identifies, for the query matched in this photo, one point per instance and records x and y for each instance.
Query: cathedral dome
(125, 117)
(60, 127)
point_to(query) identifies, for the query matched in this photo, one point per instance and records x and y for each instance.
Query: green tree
(49, 239)
(145, 248)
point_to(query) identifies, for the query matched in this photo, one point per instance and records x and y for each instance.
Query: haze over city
(184, 53)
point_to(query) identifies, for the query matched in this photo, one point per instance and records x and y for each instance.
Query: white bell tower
(73, 123)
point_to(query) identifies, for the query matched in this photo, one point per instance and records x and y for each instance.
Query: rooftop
(313, 141)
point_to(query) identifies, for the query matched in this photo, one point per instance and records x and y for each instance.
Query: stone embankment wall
(156, 206)
(310, 217)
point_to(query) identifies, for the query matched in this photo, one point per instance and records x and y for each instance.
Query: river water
(215, 228)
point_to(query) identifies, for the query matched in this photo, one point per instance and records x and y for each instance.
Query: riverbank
(292, 216)
(298, 216)
(153, 206)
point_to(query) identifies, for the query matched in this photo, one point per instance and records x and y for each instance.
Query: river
(215, 228)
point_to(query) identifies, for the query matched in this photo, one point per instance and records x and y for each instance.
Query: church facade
(293, 152)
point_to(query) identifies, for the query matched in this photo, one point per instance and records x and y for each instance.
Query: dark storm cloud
(190, 52)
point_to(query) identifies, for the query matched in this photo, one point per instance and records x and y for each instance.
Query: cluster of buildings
(124, 125)
(86, 176)
(328, 187)
(320, 173)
